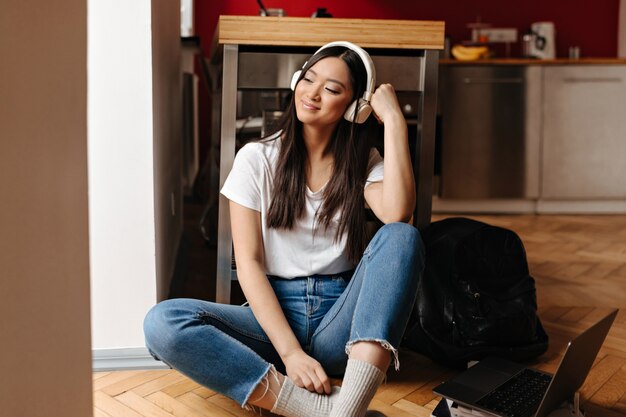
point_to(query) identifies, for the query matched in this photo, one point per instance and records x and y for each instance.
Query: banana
(469, 53)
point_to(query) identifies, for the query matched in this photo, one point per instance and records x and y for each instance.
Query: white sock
(294, 401)
(360, 383)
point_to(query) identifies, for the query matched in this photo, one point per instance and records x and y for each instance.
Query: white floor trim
(124, 359)
(515, 206)
(492, 205)
(581, 206)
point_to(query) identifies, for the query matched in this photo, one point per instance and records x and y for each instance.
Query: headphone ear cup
(349, 113)
(294, 79)
(362, 109)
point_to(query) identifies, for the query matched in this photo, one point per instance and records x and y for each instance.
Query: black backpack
(475, 297)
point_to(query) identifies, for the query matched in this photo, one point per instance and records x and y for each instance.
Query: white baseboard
(581, 207)
(493, 205)
(530, 206)
(124, 359)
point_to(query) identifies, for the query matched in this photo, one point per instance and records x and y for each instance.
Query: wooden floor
(579, 263)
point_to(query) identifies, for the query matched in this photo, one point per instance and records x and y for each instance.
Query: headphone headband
(360, 109)
(370, 70)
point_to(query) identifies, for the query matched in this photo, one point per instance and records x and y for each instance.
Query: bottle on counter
(574, 52)
(527, 40)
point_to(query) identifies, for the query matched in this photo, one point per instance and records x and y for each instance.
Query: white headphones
(360, 109)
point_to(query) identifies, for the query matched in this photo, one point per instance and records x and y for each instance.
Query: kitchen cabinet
(584, 132)
(532, 136)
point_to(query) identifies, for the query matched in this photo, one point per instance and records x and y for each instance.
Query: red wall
(592, 25)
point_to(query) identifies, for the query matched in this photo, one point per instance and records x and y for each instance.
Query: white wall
(130, 173)
(45, 355)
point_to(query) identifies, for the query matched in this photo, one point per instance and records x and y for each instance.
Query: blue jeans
(224, 348)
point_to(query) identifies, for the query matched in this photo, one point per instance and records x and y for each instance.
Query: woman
(319, 303)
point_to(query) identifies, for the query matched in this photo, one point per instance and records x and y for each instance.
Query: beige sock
(294, 401)
(360, 383)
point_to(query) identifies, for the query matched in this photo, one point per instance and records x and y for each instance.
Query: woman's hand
(385, 104)
(306, 372)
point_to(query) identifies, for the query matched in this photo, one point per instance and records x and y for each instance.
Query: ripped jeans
(225, 349)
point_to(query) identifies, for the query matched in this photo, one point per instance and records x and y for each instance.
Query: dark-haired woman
(322, 300)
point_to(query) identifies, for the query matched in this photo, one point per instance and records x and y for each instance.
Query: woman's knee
(161, 323)
(404, 237)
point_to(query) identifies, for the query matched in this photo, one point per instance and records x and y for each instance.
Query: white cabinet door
(584, 132)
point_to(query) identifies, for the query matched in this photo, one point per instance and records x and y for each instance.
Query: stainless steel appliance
(489, 132)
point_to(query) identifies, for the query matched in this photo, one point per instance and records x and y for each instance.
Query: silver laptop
(507, 389)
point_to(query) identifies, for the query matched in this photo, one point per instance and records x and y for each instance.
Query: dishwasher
(489, 132)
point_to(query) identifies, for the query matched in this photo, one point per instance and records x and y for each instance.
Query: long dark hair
(350, 145)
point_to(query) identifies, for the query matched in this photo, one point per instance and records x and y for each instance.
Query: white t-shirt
(303, 250)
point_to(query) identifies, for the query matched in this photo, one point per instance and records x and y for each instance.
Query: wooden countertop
(526, 61)
(302, 31)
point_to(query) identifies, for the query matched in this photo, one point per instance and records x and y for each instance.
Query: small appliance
(542, 44)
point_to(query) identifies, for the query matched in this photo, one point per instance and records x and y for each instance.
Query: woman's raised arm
(393, 199)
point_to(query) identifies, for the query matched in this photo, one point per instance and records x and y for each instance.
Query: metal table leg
(424, 163)
(227, 156)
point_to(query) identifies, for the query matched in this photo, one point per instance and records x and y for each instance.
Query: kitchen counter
(304, 31)
(528, 61)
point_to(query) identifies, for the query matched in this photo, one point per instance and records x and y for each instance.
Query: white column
(121, 172)
(135, 155)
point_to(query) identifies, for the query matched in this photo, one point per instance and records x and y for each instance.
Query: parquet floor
(579, 263)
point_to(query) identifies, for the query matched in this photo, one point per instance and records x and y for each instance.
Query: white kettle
(542, 43)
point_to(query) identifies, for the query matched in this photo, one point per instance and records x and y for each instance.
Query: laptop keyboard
(519, 396)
